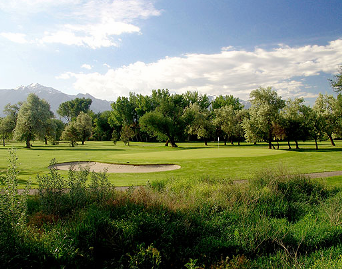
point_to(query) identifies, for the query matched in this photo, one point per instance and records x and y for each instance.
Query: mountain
(51, 95)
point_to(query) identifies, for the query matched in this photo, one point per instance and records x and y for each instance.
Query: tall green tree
(325, 108)
(199, 122)
(32, 118)
(53, 130)
(102, 131)
(338, 113)
(127, 134)
(293, 120)
(227, 122)
(315, 124)
(166, 121)
(71, 109)
(193, 97)
(7, 124)
(84, 126)
(263, 113)
(336, 83)
(71, 133)
(227, 100)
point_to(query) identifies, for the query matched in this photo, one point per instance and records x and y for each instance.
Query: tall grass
(274, 220)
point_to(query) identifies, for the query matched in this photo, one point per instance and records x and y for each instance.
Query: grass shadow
(311, 150)
(74, 149)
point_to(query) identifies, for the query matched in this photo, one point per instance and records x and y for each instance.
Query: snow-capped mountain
(51, 95)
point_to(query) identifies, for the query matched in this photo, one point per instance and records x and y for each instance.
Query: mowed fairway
(195, 159)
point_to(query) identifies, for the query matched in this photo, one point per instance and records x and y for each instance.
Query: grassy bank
(276, 220)
(196, 160)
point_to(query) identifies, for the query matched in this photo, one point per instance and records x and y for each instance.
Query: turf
(196, 160)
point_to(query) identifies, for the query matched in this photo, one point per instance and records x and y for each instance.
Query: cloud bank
(231, 71)
(89, 23)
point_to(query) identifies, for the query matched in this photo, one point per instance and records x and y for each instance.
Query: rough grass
(234, 162)
(275, 220)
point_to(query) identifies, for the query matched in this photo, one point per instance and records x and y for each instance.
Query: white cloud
(15, 37)
(234, 72)
(89, 23)
(94, 36)
(86, 66)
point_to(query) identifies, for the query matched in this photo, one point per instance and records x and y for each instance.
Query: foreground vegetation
(275, 220)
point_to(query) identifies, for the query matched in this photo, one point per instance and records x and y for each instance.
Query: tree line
(167, 117)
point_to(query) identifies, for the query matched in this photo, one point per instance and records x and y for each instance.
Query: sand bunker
(118, 168)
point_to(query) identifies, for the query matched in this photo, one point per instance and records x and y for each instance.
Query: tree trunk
(316, 144)
(167, 143)
(297, 147)
(270, 139)
(288, 142)
(45, 140)
(277, 144)
(28, 145)
(3, 141)
(331, 140)
(205, 142)
(173, 143)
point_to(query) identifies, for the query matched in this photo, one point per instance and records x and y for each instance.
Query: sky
(108, 48)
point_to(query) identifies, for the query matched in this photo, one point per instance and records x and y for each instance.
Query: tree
(124, 112)
(199, 122)
(315, 124)
(102, 131)
(195, 98)
(126, 134)
(71, 109)
(325, 108)
(336, 83)
(228, 100)
(7, 124)
(226, 121)
(263, 113)
(53, 131)
(338, 113)
(166, 121)
(293, 120)
(71, 133)
(84, 126)
(32, 118)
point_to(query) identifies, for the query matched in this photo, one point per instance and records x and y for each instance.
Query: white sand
(118, 168)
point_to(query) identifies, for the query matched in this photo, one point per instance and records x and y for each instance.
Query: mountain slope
(51, 95)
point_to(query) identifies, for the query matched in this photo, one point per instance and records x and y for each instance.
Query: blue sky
(109, 48)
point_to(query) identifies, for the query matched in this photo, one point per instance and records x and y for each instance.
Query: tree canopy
(71, 109)
(336, 83)
(32, 117)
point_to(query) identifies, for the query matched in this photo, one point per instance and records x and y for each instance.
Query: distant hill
(51, 95)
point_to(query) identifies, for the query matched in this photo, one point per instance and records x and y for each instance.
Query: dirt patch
(324, 174)
(118, 168)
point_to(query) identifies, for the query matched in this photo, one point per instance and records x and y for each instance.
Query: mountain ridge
(52, 96)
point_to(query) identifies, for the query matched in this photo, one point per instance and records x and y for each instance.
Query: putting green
(197, 153)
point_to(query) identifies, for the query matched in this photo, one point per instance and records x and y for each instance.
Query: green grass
(196, 160)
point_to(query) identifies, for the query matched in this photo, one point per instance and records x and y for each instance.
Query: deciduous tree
(336, 83)
(32, 118)
(84, 126)
(264, 112)
(71, 109)
(325, 108)
(199, 122)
